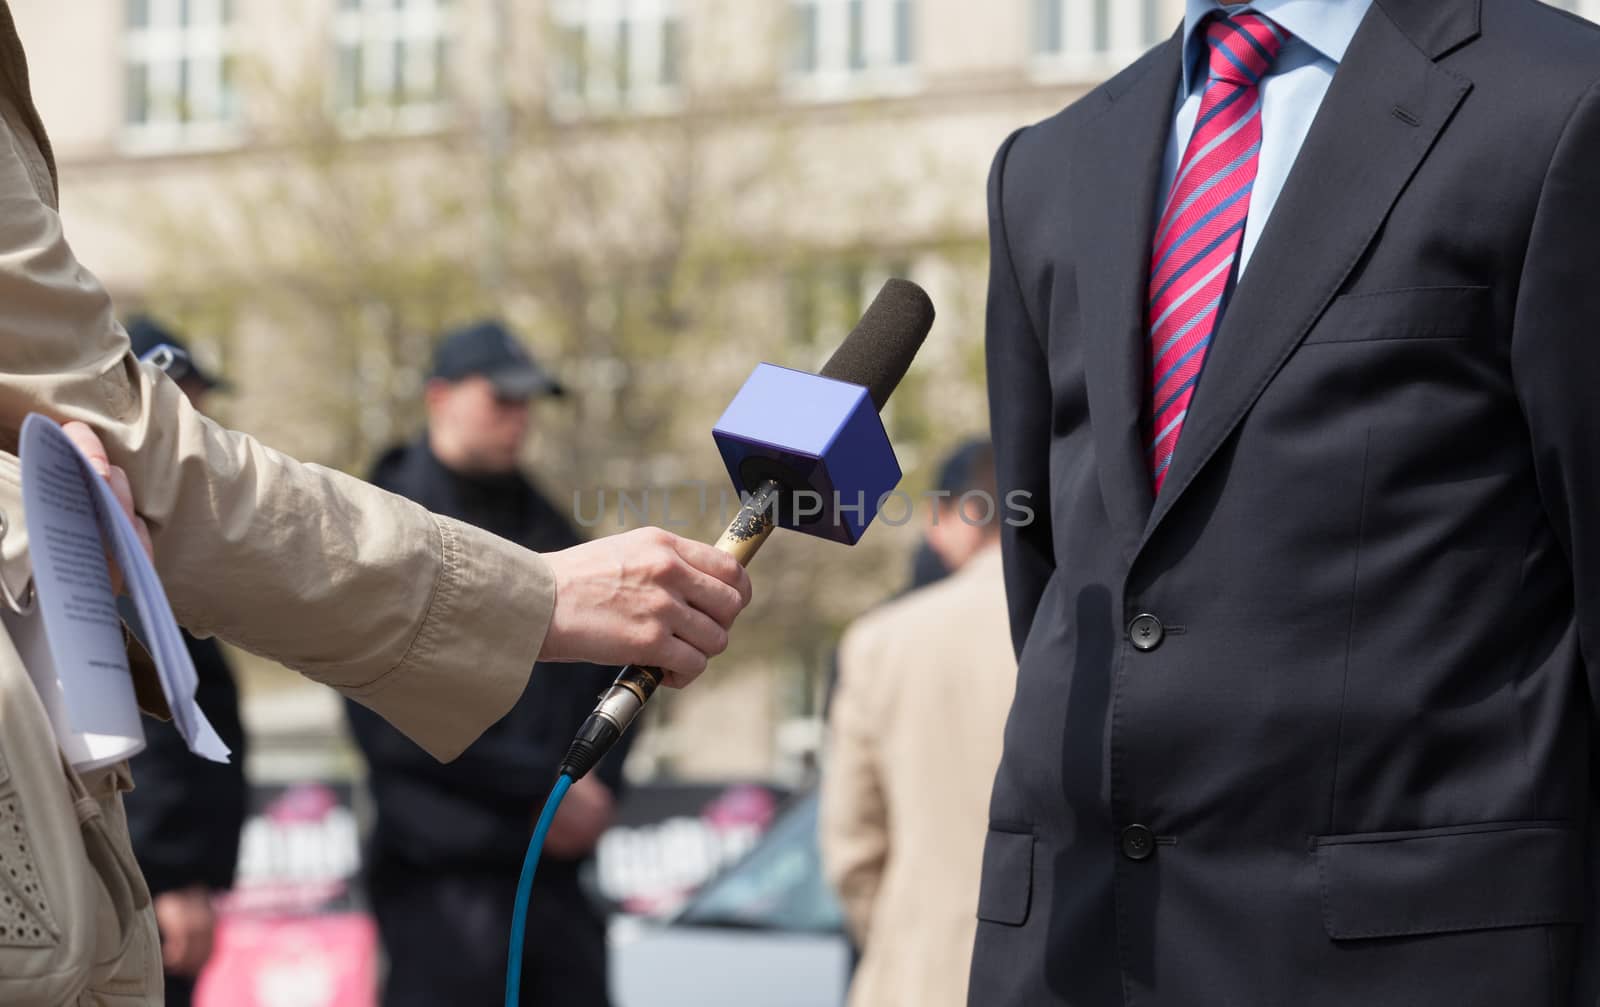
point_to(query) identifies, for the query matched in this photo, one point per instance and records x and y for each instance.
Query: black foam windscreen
(880, 348)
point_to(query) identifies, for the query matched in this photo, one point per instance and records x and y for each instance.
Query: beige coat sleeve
(433, 624)
(854, 816)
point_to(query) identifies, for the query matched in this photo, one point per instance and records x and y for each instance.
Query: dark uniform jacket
(185, 813)
(448, 839)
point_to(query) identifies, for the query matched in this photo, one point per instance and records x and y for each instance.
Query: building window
(614, 55)
(180, 72)
(392, 58)
(846, 46)
(1094, 34)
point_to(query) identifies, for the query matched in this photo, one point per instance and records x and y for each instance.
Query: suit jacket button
(1146, 633)
(1138, 842)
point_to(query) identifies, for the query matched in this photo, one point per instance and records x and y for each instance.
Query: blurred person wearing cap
(427, 620)
(186, 814)
(922, 679)
(447, 844)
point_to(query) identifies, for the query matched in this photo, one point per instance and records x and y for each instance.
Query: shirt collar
(1327, 26)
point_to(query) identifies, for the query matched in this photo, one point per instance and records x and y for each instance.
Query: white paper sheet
(120, 735)
(73, 519)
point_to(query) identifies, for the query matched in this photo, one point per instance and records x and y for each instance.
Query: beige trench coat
(917, 722)
(433, 624)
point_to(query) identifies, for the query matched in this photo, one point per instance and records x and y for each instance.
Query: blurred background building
(659, 193)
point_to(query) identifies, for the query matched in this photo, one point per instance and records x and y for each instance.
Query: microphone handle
(620, 704)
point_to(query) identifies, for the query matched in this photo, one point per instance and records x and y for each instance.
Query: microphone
(790, 435)
(878, 351)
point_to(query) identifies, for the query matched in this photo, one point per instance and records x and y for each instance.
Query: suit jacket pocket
(1411, 313)
(1007, 887)
(1470, 877)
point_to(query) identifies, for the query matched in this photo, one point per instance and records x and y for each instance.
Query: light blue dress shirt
(1290, 94)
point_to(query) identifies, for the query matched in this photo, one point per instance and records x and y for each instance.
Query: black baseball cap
(968, 467)
(157, 343)
(488, 348)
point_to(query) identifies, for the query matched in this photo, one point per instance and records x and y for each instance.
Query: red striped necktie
(1197, 242)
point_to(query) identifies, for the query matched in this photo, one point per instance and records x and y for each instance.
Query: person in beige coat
(428, 621)
(916, 721)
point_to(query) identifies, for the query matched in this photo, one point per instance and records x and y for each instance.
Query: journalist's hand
(645, 597)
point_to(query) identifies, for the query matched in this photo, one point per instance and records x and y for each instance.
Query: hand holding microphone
(789, 439)
(645, 597)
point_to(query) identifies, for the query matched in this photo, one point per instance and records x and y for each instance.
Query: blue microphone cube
(811, 434)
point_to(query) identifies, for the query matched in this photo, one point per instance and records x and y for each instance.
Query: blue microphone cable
(618, 707)
(519, 914)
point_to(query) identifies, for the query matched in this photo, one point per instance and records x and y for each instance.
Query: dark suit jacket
(1360, 727)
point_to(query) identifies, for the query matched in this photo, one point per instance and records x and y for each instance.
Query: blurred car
(765, 931)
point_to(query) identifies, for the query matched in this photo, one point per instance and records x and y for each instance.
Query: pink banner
(316, 961)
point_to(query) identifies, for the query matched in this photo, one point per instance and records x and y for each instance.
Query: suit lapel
(1114, 185)
(1386, 106)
